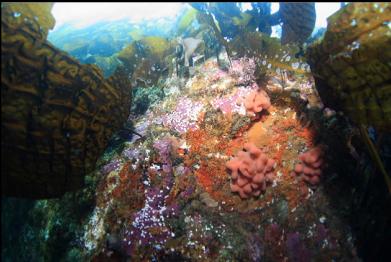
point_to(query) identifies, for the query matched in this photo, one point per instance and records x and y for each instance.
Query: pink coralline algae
(148, 226)
(243, 69)
(257, 101)
(251, 170)
(114, 165)
(184, 117)
(163, 147)
(311, 164)
(231, 103)
(218, 75)
(255, 247)
(140, 128)
(297, 251)
(132, 153)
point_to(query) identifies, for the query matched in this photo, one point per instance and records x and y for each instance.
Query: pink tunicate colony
(310, 168)
(251, 170)
(257, 101)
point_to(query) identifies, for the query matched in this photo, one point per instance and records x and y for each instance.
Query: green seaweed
(186, 20)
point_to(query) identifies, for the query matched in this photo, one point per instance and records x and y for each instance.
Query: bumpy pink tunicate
(257, 101)
(251, 170)
(310, 168)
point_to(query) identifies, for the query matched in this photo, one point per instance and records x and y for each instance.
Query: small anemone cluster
(184, 116)
(243, 69)
(148, 226)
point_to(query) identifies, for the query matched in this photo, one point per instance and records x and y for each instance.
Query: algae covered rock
(270, 56)
(147, 59)
(56, 114)
(352, 66)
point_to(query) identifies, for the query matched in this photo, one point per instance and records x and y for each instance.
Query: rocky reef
(186, 200)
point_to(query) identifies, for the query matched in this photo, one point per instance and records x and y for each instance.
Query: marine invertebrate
(164, 147)
(311, 165)
(230, 103)
(256, 101)
(185, 115)
(272, 240)
(243, 69)
(251, 170)
(111, 166)
(149, 226)
(255, 247)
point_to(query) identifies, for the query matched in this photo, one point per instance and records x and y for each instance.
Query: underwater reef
(197, 148)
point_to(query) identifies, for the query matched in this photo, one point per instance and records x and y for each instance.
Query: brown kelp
(352, 69)
(56, 114)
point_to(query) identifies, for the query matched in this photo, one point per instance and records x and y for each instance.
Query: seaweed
(57, 114)
(351, 63)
